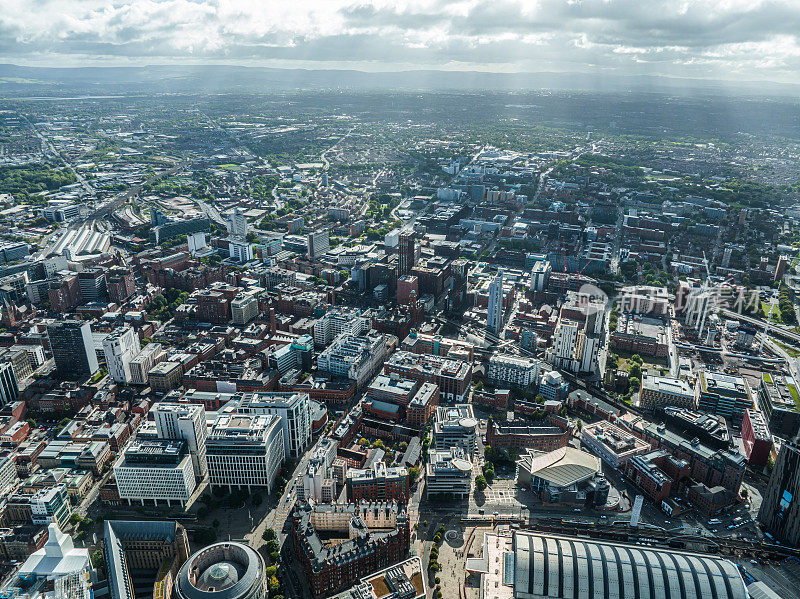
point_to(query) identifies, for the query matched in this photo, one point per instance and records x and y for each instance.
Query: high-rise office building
(238, 224)
(120, 348)
(51, 504)
(407, 249)
(245, 450)
(92, 282)
(72, 347)
(318, 243)
(186, 422)
(494, 316)
(240, 250)
(155, 470)
(294, 410)
(780, 503)
(244, 309)
(9, 391)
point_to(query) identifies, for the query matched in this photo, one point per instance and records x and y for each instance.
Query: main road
(88, 188)
(769, 327)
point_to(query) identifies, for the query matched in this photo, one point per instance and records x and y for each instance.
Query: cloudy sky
(719, 39)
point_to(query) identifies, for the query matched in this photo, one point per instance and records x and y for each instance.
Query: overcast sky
(719, 39)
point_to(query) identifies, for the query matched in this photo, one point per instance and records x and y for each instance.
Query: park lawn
(647, 361)
(776, 313)
(795, 395)
(794, 353)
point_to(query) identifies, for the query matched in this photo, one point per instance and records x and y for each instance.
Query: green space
(775, 316)
(163, 305)
(645, 361)
(792, 351)
(793, 391)
(25, 181)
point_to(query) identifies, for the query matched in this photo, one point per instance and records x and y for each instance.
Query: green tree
(480, 483)
(98, 559)
(413, 474)
(488, 473)
(635, 370)
(274, 585)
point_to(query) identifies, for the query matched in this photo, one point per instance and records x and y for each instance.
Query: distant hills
(15, 80)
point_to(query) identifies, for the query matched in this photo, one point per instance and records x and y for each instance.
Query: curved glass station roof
(571, 568)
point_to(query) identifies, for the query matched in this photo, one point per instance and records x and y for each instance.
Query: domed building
(223, 571)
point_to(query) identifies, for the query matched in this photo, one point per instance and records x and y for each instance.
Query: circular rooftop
(223, 571)
(468, 422)
(463, 465)
(218, 577)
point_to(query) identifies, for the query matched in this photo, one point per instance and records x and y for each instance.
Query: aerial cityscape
(309, 329)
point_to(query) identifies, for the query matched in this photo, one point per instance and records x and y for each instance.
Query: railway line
(645, 535)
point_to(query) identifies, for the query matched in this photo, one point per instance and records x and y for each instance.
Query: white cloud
(730, 39)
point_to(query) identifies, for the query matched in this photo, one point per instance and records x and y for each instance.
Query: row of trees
(433, 561)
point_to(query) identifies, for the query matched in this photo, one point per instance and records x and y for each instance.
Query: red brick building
(121, 284)
(378, 535)
(546, 435)
(212, 306)
(378, 483)
(756, 438)
(656, 473)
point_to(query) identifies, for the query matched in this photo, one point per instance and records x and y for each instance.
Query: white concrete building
(150, 355)
(240, 250)
(340, 320)
(158, 470)
(120, 347)
(314, 483)
(237, 224)
(540, 275)
(448, 471)
(294, 410)
(513, 371)
(574, 349)
(186, 422)
(196, 242)
(356, 357)
(51, 504)
(455, 426)
(244, 309)
(245, 450)
(392, 238)
(494, 314)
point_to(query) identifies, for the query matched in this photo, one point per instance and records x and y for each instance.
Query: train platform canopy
(523, 565)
